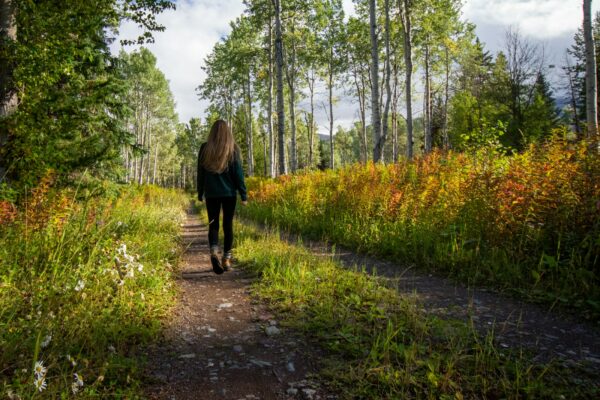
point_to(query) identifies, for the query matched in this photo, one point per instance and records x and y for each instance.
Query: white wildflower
(74, 388)
(46, 341)
(129, 273)
(40, 383)
(71, 360)
(112, 349)
(39, 369)
(140, 267)
(78, 379)
(80, 286)
(143, 297)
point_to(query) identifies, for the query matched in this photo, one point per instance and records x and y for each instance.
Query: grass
(527, 223)
(382, 345)
(85, 279)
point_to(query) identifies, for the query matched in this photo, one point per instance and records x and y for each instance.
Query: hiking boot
(214, 260)
(226, 262)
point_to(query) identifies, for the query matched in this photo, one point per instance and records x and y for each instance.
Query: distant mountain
(324, 137)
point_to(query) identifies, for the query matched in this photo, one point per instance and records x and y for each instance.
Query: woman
(220, 176)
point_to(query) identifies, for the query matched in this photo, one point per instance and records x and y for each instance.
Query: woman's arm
(239, 177)
(200, 175)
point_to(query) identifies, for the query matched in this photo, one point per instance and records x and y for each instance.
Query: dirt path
(516, 324)
(222, 345)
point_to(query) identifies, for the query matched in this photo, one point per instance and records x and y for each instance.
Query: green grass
(82, 286)
(381, 344)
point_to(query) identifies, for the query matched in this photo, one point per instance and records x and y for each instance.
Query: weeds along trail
(527, 223)
(381, 343)
(86, 278)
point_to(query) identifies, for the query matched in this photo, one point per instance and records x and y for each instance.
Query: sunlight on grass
(382, 345)
(526, 223)
(83, 283)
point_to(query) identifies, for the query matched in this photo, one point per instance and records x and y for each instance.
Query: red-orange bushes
(477, 215)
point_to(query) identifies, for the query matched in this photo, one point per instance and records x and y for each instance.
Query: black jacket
(225, 184)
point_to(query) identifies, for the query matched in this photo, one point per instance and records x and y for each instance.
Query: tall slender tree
(405, 8)
(279, 77)
(590, 70)
(375, 117)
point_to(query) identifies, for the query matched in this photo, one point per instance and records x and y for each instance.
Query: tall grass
(528, 222)
(84, 279)
(381, 345)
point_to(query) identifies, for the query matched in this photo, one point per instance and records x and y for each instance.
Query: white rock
(290, 367)
(188, 356)
(272, 331)
(225, 305)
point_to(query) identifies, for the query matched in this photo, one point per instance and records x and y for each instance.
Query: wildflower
(140, 267)
(80, 286)
(39, 369)
(71, 360)
(40, 383)
(112, 349)
(143, 297)
(129, 273)
(46, 341)
(78, 383)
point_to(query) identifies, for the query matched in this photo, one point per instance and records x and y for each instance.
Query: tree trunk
(8, 96)
(279, 74)
(573, 96)
(360, 92)
(395, 115)
(404, 6)
(291, 80)
(446, 98)
(155, 165)
(388, 90)
(249, 144)
(270, 105)
(590, 70)
(428, 145)
(311, 123)
(330, 87)
(375, 118)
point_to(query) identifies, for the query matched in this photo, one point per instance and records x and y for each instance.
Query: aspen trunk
(249, 140)
(404, 6)
(428, 134)
(388, 90)
(279, 77)
(375, 118)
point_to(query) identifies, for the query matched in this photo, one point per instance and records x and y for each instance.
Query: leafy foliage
(527, 222)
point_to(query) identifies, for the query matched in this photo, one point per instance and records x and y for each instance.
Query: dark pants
(213, 207)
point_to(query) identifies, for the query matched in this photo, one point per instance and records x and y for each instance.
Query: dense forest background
(420, 79)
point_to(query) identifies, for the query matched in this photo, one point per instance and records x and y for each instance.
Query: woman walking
(220, 177)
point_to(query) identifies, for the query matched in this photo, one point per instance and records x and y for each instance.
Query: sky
(196, 25)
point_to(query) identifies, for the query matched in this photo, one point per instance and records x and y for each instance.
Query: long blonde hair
(220, 148)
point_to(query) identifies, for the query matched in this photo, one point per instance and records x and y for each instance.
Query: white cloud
(191, 32)
(193, 29)
(540, 19)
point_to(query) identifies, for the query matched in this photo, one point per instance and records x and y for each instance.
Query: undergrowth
(381, 345)
(527, 223)
(85, 278)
